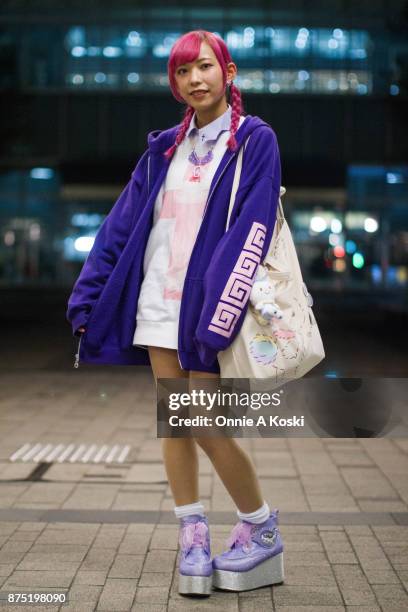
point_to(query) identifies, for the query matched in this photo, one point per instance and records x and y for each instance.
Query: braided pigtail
(181, 132)
(236, 104)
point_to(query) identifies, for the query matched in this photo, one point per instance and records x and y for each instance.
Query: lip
(199, 93)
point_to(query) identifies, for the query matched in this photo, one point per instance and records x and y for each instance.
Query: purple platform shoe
(195, 570)
(254, 558)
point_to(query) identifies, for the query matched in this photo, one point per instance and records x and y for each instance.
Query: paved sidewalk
(107, 534)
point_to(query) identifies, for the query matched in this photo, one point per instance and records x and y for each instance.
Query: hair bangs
(186, 49)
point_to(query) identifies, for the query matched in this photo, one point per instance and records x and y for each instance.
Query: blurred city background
(82, 84)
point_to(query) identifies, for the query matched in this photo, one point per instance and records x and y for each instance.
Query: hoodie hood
(161, 140)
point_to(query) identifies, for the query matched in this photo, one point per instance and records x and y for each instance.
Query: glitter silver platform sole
(266, 573)
(195, 585)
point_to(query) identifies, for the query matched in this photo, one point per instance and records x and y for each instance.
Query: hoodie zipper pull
(76, 362)
(178, 355)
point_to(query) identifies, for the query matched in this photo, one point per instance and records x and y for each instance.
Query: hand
(81, 329)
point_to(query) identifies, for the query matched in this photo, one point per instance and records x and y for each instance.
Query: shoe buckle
(268, 537)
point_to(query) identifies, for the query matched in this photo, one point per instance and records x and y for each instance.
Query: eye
(203, 65)
(179, 71)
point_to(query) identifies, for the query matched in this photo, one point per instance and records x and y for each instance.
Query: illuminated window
(271, 58)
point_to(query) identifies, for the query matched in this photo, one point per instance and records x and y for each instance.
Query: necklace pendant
(196, 175)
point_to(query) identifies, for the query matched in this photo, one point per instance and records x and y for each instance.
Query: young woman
(165, 285)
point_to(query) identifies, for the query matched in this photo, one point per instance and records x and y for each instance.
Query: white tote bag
(286, 347)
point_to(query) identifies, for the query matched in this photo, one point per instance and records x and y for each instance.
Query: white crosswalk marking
(124, 454)
(88, 454)
(66, 453)
(77, 454)
(54, 453)
(72, 453)
(42, 452)
(28, 456)
(112, 454)
(100, 453)
(19, 452)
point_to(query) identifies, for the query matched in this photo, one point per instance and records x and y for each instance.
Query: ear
(231, 71)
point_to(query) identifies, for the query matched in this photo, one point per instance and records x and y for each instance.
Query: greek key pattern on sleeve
(239, 284)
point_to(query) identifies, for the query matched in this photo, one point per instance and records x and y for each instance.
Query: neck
(206, 116)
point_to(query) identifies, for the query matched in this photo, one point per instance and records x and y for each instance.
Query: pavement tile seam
(96, 532)
(346, 483)
(325, 553)
(401, 582)
(33, 542)
(362, 568)
(253, 600)
(142, 570)
(299, 476)
(380, 468)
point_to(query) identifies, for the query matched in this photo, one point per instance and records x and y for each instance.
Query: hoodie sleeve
(109, 242)
(229, 278)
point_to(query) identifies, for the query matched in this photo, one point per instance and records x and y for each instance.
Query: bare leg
(179, 454)
(233, 465)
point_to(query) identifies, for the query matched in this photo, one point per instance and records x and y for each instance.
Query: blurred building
(84, 82)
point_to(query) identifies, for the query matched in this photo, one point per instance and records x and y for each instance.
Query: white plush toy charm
(262, 298)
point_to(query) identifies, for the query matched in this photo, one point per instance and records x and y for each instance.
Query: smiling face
(200, 83)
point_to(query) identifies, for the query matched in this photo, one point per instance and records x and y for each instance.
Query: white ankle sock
(259, 516)
(188, 509)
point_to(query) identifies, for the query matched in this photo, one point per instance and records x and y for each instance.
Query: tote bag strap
(279, 213)
(235, 184)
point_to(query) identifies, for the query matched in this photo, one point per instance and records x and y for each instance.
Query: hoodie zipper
(213, 189)
(244, 144)
(217, 181)
(76, 363)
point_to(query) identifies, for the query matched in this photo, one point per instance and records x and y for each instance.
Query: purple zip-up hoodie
(222, 265)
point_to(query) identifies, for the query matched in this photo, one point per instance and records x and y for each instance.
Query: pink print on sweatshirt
(186, 207)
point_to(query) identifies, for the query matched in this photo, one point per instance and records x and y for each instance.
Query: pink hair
(185, 50)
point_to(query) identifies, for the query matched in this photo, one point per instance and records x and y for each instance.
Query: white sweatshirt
(178, 212)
